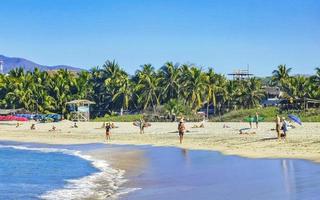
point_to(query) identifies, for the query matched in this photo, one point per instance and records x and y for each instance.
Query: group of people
(254, 119)
(281, 126)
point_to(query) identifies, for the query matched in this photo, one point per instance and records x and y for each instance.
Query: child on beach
(108, 131)
(181, 130)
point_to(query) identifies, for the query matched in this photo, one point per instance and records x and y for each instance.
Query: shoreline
(108, 181)
(302, 142)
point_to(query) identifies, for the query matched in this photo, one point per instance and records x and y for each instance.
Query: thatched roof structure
(11, 111)
(81, 102)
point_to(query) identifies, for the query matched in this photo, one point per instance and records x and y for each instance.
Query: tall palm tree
(170, 81)
(124, 93)
(147, 87)
(214, 86)
(281, 75)
(194, 86)
(98, 91)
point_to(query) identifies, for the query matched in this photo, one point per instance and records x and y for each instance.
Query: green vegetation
(179, 89)
(238, 115)
(118, 118)
(268, 114)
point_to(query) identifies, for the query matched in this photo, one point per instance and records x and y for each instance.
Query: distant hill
(10, 63)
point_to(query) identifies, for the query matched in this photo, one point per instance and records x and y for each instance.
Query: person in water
(181, 130)
(108, 131)
(278, 126)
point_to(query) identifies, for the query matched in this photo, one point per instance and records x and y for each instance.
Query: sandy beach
(302, 142)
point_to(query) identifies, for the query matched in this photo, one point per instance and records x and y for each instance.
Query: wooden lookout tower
(242, 74)
(80, 109)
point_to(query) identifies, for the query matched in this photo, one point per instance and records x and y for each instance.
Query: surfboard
(253, 119)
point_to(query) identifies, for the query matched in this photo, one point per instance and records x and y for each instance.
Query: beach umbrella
(295, 119)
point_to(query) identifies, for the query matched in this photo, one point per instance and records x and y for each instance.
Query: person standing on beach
(181, 130)
(278, 126)
(257, 120)
(108, 131)
(284, 127)
(250, 121)
(142, 125)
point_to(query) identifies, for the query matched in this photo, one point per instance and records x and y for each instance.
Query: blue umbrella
(295, 119)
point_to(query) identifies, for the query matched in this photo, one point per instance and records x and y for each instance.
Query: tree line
(178, 88)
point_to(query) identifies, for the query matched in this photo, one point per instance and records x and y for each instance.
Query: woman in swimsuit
(181, 130)
(108, 131)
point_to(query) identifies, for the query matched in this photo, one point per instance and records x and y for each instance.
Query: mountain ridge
(10, 63)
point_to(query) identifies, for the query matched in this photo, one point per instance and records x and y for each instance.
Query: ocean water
(38, 171)
(27, 174)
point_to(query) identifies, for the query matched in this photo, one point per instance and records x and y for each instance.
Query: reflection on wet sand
(288, 177)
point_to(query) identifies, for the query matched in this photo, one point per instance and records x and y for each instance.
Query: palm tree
(194, 86)
(147, 87)
(281, 75)
(114, 80)
(170, 81)
(214, 87)
(97, 93)
(124, 93)
(174, 107)
(297, 87)
(60, 89)
(252, 93)
(316, 77)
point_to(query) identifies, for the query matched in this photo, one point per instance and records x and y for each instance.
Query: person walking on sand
(108, 131)
(257, 120)
(278, 126)
(181, 130)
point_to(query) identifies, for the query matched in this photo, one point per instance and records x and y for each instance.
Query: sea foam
(105, 184)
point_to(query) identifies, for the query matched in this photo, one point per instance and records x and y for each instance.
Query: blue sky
(225, 35)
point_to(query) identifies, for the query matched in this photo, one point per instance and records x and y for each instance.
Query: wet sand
(175, 173)
(302, 142)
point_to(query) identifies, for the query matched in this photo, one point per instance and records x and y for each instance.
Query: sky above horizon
(224, 35)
